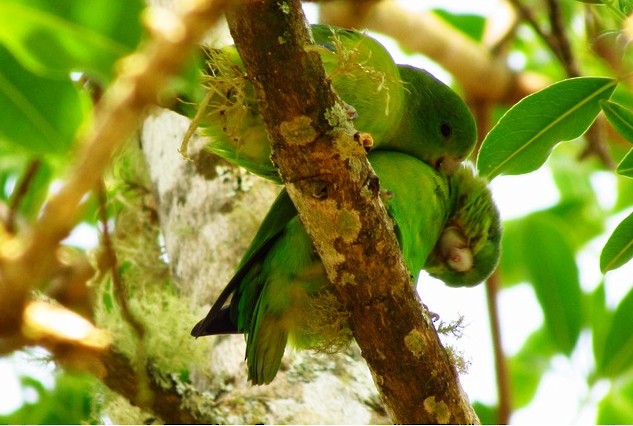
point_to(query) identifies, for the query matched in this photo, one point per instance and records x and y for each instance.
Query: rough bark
(337, 196)
(209, 211)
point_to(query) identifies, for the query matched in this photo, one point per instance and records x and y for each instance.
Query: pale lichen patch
(298, 131)
(414, 342)
(348, 225)
(327, 234)
(285, 8)
(348, 279)
(356, 168)
(438, 409)
(338, 117)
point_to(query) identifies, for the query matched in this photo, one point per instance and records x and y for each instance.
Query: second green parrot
(403, 108)
(281, 293)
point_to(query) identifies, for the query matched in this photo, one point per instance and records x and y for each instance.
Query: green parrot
(403, 108)
(281, 293)
(470, 244)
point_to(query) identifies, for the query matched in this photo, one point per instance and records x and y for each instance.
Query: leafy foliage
(69, 402)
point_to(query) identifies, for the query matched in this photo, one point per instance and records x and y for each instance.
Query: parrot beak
(448, 165)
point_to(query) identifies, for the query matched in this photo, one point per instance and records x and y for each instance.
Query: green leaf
(69, 402)
(625, 168)
(526, 134)
(551, 266)
(621, 118)
(601, 319)
(488, 414)
(618, 348)
(39, 115)
(616, 408)
(471, 25)
(59, 36)
(511, 265)
(624, 197)
(578, 207)
(529, 365)
(626, 6)
(619, 247)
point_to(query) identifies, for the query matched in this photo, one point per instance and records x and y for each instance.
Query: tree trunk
(209, 211)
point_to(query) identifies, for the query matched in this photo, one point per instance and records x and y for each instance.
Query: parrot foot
(365, 140)
(434, 317)
(385, 195)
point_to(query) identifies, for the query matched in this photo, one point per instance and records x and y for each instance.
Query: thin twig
(596, 138)
(559, 34)
(482, 112)
(166, 402)
(504, 391)
(531, 20)
(22, 188)
(120, 290)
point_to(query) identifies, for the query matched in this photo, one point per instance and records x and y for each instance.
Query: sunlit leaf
(616, 408)
(621, 118)
(39, 115)
(626, 6)
(619, 247)
(625, 168)
(69, 402)
(511, 266)
(600, 322)
(59, 36)
(524, 137)
(487, 413)
(618, 349)
(552, 270)
(528, 366)
(471, 25)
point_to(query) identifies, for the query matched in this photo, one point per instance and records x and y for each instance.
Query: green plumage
(443, 215)
(469, 247)
(281, 279)
(404, 108)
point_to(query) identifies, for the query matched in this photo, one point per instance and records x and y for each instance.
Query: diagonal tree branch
(32, 258)
(336, 193)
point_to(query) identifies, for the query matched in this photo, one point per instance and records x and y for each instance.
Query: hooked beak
(448, 165)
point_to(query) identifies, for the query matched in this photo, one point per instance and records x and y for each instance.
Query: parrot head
(469, 247)
(436, 126)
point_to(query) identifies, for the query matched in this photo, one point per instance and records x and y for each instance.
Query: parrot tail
(220, 324)
(264, 349)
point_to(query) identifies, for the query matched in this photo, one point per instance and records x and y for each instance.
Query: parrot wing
(273, 225)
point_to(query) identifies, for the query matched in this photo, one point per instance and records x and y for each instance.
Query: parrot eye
(446, 130)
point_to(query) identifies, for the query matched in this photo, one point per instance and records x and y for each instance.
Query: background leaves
(56, 37)
(523, 138)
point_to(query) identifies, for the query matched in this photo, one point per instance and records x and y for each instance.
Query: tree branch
(32, 258)
(330, 181)
(167, 403)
